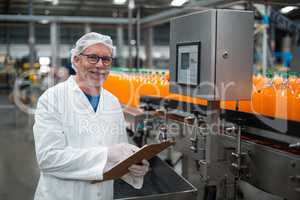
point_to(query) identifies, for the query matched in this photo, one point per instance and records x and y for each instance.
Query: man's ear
(76, 59)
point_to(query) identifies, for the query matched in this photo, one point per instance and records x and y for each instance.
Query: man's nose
(100, 64)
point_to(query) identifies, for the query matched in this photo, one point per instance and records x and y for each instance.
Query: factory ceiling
(153, 12)
(101, 8)
(107, 8)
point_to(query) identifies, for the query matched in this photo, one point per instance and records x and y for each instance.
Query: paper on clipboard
(147, 152)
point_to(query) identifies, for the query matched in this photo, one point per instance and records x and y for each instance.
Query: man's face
(93, 65)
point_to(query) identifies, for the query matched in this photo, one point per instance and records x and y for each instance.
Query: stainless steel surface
(235, 36)
(273, 173)
(210, 170)
(272, 135)
(273, 170)
(161, 183)
(211, 147)
(219, 32)
(199, 27)
(252, 193)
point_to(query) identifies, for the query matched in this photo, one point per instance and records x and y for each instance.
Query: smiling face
(90, 72)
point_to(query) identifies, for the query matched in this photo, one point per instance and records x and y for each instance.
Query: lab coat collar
(75, 86)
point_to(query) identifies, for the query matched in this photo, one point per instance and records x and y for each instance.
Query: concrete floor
(18, 168)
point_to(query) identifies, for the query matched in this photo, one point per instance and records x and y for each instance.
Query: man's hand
(120, 152)
(139, 170)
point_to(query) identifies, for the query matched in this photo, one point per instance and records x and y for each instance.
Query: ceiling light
(287, 9)
(44, 60)
(54, 2)
(119, 2)
(44, 21)
(238, 7)
(131, 4)
(178, 2)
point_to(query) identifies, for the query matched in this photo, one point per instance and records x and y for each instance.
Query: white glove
(136, 174)
(119, 152)
(134, 181)
(139, 170)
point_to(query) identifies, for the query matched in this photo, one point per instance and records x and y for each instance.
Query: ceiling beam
(69, 3)
(166, 16)
(63, 19)
(162, 17)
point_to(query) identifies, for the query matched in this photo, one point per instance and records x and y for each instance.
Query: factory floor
(18, 169)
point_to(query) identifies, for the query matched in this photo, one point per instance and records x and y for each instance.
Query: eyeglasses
(94, 59)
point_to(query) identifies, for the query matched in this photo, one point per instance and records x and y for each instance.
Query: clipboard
(147, 152)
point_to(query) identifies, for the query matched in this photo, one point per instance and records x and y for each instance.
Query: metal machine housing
(223, 40)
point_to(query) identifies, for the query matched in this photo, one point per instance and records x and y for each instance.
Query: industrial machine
(213, 60)
(225, 154)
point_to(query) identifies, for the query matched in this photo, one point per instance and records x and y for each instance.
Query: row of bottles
(273, 95)
(129, 86)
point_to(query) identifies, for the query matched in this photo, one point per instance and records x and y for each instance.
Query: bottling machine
(225, 154)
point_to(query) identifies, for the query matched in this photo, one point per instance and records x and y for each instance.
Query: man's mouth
(99, 72)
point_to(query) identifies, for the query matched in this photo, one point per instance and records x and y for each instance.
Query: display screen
(185, 61)
(188, 63)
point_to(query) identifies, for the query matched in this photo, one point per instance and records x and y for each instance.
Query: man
(79, 129)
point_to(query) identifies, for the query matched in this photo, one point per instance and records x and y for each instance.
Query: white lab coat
(71, 142)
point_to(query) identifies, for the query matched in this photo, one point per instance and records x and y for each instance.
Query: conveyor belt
(245, 136)
(282, 126)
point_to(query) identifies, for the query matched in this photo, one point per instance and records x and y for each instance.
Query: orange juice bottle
(284, 98)
(134, 101)
(295, 114)
(268, 97)
(245, 105)
(256, 96)
(294, 86)
(164, 85)
(293, 81)
(109, 82)
(168, 75)
(259, 81)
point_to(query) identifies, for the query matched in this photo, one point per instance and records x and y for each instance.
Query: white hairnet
(88, 40)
